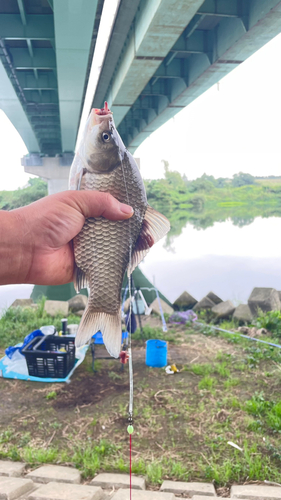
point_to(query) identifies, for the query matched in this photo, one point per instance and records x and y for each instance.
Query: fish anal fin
(108, 324)
(154, 227)
(80, 279)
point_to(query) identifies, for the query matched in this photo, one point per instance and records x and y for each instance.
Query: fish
(104, 250)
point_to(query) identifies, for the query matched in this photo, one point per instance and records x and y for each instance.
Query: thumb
(96, 204)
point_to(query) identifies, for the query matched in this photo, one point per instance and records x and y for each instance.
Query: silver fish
(104, 249)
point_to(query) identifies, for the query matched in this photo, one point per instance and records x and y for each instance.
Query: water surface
(225, 258)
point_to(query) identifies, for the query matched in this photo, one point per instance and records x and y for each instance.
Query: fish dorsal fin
(154, 227)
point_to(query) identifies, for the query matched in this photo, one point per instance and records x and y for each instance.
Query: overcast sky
(236, 128)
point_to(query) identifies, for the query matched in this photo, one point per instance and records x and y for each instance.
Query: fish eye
(106, 136)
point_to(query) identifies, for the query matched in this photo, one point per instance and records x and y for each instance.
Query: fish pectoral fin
(108, 324)
(80, 280)
(154, 227)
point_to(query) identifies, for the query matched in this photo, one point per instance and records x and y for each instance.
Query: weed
(207, 383)
(5, 436)
(40, 456)
(231, 382)
(203, 370)
(97, 365)
(270, 320)
(51, 395)
(114, 376)
(221, 369)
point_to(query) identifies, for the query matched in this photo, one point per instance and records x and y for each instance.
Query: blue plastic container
(99, 340)
(156, 353)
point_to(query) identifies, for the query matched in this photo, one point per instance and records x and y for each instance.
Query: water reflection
(229, 257)
(201, 217)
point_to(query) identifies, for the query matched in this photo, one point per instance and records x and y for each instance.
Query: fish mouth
(103, 111)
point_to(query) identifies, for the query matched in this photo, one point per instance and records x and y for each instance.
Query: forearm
(14, 251)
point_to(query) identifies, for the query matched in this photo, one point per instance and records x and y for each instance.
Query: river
(225, 258)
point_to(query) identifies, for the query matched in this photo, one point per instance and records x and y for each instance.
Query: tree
(242, 179)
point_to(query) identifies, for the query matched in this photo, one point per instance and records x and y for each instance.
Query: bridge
(161, 55)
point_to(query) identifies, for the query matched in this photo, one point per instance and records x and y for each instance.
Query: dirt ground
(182, 422)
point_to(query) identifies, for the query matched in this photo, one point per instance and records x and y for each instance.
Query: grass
(182, 422)
(17, 322)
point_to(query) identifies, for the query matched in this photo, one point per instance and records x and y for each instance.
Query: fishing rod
(239, 334)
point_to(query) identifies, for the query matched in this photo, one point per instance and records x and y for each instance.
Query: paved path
(53, 482)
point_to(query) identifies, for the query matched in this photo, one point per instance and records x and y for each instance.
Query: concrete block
(22, 303)
(178, 487)
(214, 298)
(204, 303)
(256, 492)
(60, 491)
(77, 303)
(165, 307)
(57, 473)
(266, 299)
(54, 307)
(123, 494)
(243, 313)
(223, 309)
(11, 469)
(118, 481)
(184, 301)
(14, 487)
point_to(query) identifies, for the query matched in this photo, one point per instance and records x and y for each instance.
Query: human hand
(36, 240)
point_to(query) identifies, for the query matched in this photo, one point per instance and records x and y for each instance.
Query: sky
(234, 126)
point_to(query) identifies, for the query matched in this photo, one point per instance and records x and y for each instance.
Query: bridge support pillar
(55, 170)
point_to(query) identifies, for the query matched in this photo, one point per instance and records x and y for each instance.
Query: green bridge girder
(173, 52)
(162, 55)
(46, 49)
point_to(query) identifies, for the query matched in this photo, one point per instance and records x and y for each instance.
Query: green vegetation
(205, 200)
(36, 189)
(270, 320)
(17, 322)
(227, 389)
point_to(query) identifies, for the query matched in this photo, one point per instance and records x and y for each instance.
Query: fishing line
(130, 428)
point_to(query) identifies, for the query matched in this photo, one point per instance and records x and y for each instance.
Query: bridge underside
(46, 48)
(174, 50)
(162, 55)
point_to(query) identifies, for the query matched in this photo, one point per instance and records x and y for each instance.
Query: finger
(96, 204)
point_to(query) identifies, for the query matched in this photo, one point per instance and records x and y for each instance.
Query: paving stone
(205, 489)
(123, 494)
(14, 487)
(48, 473)
(11, 469)
(60, 491)
(254, 491)
(199, 497)
(118, 481)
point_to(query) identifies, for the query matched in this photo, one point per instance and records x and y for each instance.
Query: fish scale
(102, 247)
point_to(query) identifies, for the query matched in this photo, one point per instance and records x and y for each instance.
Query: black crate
(44, 358)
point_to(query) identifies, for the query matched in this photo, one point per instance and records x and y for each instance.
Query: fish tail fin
(108, 324)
